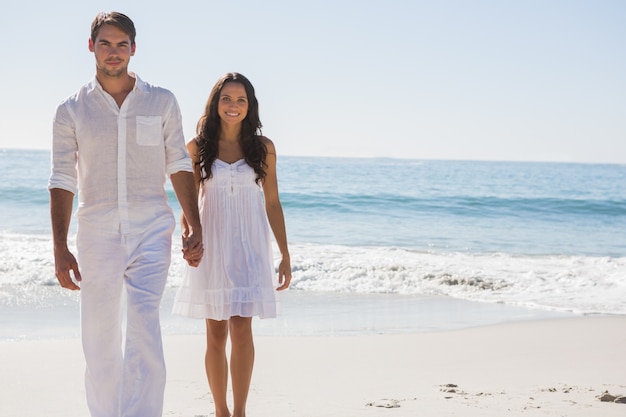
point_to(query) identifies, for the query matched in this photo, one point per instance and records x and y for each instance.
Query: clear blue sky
(541, 80)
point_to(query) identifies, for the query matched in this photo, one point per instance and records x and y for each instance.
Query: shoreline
(551, 367)
(54, 314)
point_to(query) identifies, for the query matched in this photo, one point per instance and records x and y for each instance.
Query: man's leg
(144, 365)
(102, 263)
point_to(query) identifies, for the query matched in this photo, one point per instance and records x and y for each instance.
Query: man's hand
(193, 248)
(64, 262)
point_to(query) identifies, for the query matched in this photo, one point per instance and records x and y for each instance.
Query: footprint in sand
(385, 403)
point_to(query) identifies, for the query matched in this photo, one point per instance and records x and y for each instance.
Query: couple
(115, 141)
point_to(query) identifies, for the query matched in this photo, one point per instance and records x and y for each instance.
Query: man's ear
(90, 45)
(132, 49)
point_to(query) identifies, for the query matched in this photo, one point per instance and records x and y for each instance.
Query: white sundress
(236, 275)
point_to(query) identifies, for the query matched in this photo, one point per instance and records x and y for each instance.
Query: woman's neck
(230, 133)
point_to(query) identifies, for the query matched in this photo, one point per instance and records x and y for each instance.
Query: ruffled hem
(222, 305)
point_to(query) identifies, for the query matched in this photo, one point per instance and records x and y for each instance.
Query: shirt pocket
(149, 131)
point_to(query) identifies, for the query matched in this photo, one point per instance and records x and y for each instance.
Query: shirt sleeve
(64, 151)
(176, 156)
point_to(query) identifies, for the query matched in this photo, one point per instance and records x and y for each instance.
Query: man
(114, 141)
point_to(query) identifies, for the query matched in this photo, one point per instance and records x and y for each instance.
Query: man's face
(112, 50)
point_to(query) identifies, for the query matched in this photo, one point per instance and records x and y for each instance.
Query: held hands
(64, 262)
(284, 273)
(193, 248)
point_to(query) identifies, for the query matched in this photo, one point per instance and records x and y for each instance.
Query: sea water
(377, 245)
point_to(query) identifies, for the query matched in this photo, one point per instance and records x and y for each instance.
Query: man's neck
(117, 87)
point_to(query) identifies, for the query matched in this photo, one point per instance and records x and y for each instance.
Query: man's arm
(185, 189)
(61, 202)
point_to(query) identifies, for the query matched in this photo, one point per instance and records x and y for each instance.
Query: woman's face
(232, 105)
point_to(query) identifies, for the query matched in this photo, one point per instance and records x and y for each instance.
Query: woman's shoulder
(268, 144)
(193, 147)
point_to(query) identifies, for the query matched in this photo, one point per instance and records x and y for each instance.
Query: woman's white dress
(236, 276)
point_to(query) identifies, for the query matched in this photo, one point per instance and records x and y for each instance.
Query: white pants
(128, 382)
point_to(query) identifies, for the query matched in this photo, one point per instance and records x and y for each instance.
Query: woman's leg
(217, 365)
(241, 361)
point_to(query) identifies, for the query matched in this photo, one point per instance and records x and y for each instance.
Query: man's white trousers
(129, 380)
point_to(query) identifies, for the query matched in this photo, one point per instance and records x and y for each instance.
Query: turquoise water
(472, 207)
(522, 208)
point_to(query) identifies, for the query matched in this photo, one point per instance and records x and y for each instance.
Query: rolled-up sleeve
(176, 156)
(64, 152)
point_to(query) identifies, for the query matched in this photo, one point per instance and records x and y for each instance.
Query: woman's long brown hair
(251, 140)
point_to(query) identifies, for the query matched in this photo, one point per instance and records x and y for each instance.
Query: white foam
(580, 284)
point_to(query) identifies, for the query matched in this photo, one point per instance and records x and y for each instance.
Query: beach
(552, 367)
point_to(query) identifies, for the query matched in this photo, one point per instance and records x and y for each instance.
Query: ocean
(378, 245)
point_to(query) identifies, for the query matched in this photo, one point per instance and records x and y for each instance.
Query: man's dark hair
(119, 20)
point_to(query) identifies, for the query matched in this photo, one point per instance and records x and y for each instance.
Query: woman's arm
(275, 215)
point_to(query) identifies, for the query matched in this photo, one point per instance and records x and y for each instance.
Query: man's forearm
(61, 202)
(185, 189)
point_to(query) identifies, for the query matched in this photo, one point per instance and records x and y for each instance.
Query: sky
(532, 80)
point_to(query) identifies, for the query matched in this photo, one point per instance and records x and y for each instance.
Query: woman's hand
(284, 273)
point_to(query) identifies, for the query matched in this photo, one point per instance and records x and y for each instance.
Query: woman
(235, 172)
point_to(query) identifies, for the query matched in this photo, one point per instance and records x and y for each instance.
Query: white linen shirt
(118, 157)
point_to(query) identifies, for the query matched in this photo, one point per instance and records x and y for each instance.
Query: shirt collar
(140, 85)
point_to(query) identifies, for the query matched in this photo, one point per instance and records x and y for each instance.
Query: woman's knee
(217, 333)
(241, 329)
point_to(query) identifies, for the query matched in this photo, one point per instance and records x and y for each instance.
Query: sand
(536, 368)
